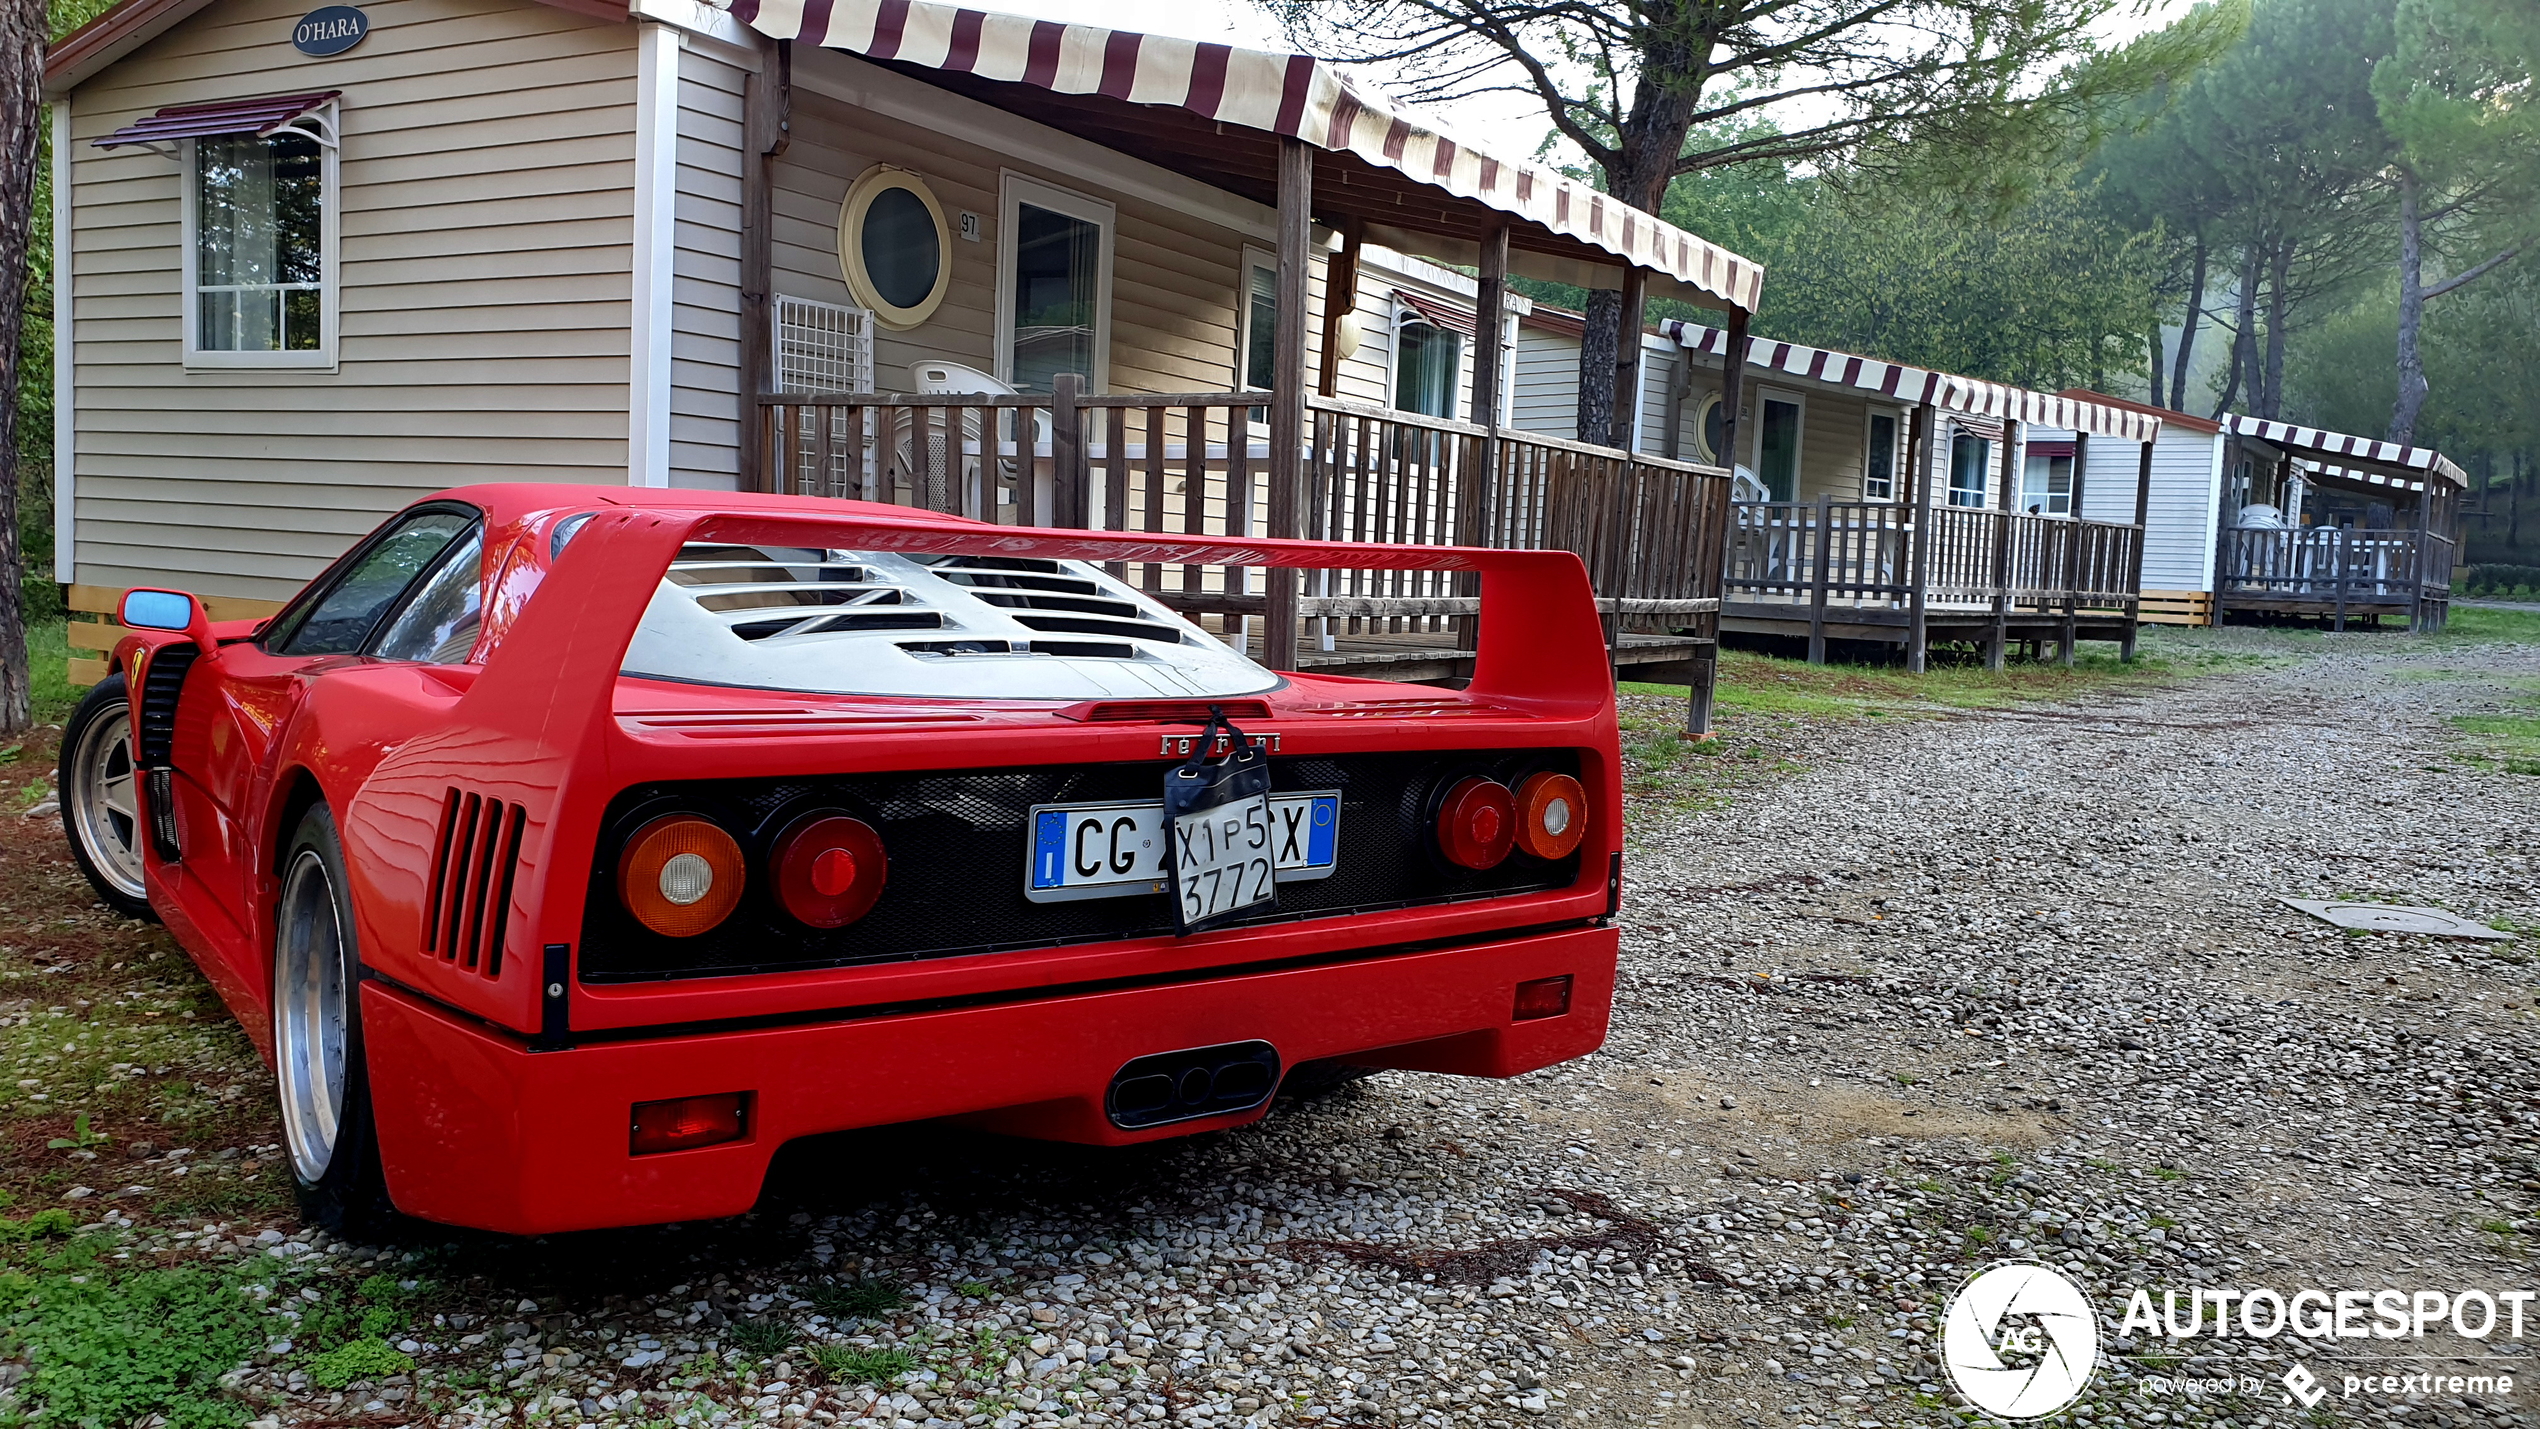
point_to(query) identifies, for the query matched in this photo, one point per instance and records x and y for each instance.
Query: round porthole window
(1710, 427)
(892, 246)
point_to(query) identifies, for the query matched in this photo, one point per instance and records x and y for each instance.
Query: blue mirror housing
(158, 610)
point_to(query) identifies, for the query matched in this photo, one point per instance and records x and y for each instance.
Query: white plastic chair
(936, 377)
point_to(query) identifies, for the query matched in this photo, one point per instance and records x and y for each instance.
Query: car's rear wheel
(99, 786)
(320, 1073)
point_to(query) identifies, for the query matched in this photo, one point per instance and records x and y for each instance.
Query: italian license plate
(1117, 850)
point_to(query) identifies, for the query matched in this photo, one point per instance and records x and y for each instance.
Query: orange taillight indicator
(681, 875)
(684, 1122)
(829, 869)
(1551, 814)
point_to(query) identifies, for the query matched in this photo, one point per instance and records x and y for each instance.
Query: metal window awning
(1967, 397)
(2354, 458)
(1437, 312)
(1213, 112)
(225, 116)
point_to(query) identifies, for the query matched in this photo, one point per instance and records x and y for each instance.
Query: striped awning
(1438, 312)
(2345, 455)
(1298, 96)
(1969, 396)
(220, 116)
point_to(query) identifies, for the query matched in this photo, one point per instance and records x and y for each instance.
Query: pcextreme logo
(2020, 1340)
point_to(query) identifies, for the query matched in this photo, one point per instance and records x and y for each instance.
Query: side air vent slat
(1119, 629)
(161, 684)
(474, 860)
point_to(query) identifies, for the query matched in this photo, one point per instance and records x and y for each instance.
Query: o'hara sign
(329, 31)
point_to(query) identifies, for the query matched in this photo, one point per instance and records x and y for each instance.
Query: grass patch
(104, 1348)
(48, 651)
(2471, 624)
(2507, 742)
(358, 1359)
(762, 1337)
(857, 1299)
(855, 1364)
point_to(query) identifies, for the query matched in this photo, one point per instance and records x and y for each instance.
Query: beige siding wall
(1173, 278)
(705, 293)
(1547, 385)
(485, 211)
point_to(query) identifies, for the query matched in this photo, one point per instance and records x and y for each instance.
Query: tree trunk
(2188, 322)
(2412, 384)
(23, 31)
(2243, 340)
(1598, 347)
(2271, 387)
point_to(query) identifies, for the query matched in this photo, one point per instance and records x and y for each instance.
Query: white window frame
(1896, 454)
(1985, 495)
(1015, 189)
(1405, 315)
(320, 125)
(2028, 453)
(1799, 438)
(1254, 259)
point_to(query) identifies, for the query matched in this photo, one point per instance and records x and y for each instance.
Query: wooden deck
(1432, 658)
(2334, 575)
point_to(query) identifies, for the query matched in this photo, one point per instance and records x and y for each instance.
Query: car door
(238, 705)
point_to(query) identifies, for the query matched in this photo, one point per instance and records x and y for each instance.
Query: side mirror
(168, 610)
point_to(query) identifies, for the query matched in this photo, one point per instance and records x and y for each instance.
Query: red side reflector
(1544, 997)
(689, 1121)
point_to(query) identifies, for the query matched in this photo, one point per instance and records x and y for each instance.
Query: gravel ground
(2007, 982)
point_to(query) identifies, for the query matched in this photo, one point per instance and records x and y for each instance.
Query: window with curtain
(1426, 359)
(2046, 484)
(259, 244)
(1970, 460)
(1878, 469)
(1057, 291)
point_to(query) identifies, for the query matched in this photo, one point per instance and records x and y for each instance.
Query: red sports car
(568, 851)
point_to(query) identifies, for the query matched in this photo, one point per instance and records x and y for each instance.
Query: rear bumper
(478, 1130)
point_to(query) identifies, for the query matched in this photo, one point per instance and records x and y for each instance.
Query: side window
(438, 626)
(341, 621)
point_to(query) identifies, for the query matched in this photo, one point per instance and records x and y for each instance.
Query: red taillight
(1477, 822)
(688, 1121)
(1551, 814)
(1543, 997)
(829, 869)
(681, 875)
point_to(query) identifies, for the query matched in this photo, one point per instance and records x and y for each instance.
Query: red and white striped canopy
(1969, 396)
(2337, 450)
(1294, 95)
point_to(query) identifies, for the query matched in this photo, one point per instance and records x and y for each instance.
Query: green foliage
(762, 1337)
(80, 1136)
(107, 1349)
(367, 1358)
(857, 1299)
(854, 1364)
(52, 1222)
(2499, 582)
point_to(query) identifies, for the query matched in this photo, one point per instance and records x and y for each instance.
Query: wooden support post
(2006, 511)
(1817, 576)
(766, 123)
(2424, 553)
(1067, 448)
(1627, 357)
(1918, 456)
(1340, 299)
(1287, 394)
(2134, 560)
(1706, 666)
(1478, 481)
(2081, 471)
(2339, 545)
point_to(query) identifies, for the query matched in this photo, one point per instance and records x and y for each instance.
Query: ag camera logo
(2020, 1340)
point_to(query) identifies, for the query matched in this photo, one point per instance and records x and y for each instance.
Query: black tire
(1312, 1081)
(105, 843)
(341, 1186)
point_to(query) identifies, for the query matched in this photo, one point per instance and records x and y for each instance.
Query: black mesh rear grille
(162, 681)
(958, 846)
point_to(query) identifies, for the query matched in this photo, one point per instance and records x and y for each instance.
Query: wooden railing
(1651, 531)
(2335, 571)
(1857, 554)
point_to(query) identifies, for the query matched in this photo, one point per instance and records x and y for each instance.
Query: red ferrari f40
(568, 851)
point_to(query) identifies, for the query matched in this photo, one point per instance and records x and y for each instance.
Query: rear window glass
(953, 627)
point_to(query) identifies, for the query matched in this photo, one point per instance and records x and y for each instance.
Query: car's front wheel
(99, 786)
(320, 1073)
